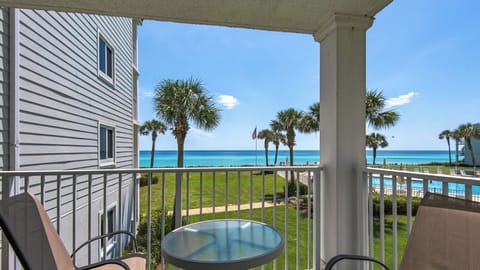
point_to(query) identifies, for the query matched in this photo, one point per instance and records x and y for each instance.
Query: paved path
(221, 209)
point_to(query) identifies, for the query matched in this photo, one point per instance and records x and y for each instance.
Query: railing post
(318, 179)
(178, 200)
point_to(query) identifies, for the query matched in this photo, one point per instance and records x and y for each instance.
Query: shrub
(401, 205)
(144, 180)
(156, 221)
(292, 188)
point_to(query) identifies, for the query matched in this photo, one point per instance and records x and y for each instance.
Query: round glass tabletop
(222, 244)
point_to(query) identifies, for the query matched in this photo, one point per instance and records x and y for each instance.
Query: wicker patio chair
(37, 244)
(445, 235)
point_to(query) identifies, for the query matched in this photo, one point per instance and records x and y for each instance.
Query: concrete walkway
(221, 209)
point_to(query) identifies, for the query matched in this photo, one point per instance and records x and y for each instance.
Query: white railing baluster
(371, 215)
(382, 217)
(213, 195)
(394, 222)
(149, 220)
(163, 213)
(119, 218)
(286, 219)
(309, 216)
(445, 188)
(201, 197)
(238, 195)
(90, 223)
(409, 204)
(226, 194)
(297, 223)
(59, 194)
(74, 212)
(251, 194)
(263, 196)
(187, 198)
(468, 191)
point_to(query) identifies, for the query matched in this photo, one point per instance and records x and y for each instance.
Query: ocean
(227, 158)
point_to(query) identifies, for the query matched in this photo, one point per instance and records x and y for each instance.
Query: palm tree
(376, 115)
(374, 141)
(469, 131)
(311, 120)
(288, 120)
(446, 134)
(458, 139)
(154, 127)
(278, 137)
(267, 136)
(180, 103)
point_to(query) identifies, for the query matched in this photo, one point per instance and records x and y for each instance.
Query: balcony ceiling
(301, 16)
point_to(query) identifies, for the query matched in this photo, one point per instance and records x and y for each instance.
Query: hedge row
(401, 205)
(144, 180)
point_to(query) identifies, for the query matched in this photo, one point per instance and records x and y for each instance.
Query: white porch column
(342, 136)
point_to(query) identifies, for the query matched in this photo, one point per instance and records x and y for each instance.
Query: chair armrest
(107, 235)
(114, 261)
(342, 257)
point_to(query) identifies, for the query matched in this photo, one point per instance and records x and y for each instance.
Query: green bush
(292, 188)
(156, 221)
(401, 205)
(144, 180)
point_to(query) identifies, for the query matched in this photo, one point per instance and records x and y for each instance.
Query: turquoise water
(433, 186)
(250, 157)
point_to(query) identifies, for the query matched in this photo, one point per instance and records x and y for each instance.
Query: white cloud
(195, 132)
(227, 101)
(147, 93)
(400, 100)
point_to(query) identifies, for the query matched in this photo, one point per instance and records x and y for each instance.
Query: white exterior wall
(476, 150)
(62, 102)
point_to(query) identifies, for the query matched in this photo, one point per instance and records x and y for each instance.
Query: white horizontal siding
(62, 100)
(4, 88)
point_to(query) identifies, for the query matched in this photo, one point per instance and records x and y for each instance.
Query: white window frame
(103, 74)
(111, 242)
(108, 161)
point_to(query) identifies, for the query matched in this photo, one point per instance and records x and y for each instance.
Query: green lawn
(233, 198)
(207, 189)
(402, 237)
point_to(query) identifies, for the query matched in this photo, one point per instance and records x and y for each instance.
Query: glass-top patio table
(222, 244)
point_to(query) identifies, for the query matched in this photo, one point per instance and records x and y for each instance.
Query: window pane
(103, 143)
(109, 62)
(101, 54)
(110, 143)
(111, 221)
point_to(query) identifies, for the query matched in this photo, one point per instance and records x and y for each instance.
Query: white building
(68, 89)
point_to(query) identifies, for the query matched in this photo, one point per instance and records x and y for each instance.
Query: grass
(223, 189)
(244, 197)
(402, 237)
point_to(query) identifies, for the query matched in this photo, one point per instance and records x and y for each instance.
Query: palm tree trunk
(266, 155)
(177, 205)
(374, 154)
(472, 155)
(292, 175)
(276, 155)
(449, 153)
(152, 155)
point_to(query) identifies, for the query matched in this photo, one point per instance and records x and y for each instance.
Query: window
(109, 242)
(105, 59)
(107, 144)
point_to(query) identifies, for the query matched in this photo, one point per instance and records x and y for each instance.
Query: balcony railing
(405, 187)
(77, 200)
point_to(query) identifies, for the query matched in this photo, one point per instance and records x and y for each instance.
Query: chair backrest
(33, 234)
(445, 235)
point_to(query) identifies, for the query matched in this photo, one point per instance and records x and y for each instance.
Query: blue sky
(423, 54)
